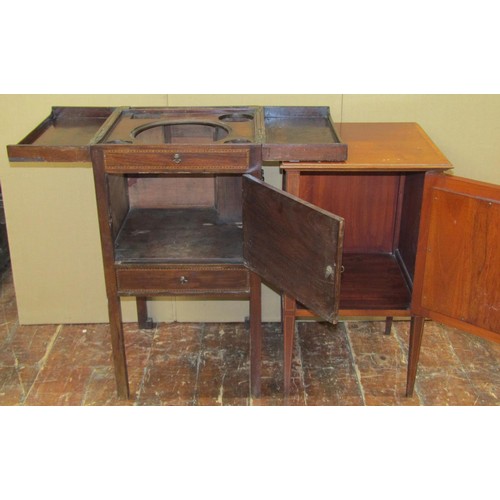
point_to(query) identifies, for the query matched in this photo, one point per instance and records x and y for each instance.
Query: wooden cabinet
(417, 242)
(183, 210)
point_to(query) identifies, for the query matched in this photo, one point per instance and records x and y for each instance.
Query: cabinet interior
(381, 213)
(176, 218)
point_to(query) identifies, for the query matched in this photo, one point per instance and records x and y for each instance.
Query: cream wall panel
(332, 100)
(227, 310)
(465, 127)
(54, 245)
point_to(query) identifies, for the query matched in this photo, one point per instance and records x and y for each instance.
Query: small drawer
(170, 159)
(182, 280)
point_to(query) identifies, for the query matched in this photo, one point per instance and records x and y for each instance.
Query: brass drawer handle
(183, 280)
(177, 158)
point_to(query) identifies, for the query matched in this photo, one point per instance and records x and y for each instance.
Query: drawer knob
(183, 280)
(177, 158)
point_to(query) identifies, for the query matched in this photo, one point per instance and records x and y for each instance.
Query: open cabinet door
(293, 245)
(457, 278)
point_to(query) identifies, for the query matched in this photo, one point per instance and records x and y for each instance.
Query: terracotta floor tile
(475, 352)
(33, 344)
(401, 400)
(223, 377)
(486, 383)
(170, 379)
(222, 387)
(351, 363)
(12, 390)
(322, 344)
(446, 387)
(100, 389)
(56, 385)
(332, 386)
(369, 343)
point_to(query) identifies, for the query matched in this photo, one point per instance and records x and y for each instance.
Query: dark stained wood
(164, 159)
(288, 319)
(144, 321)
(182, 280)
(118, 201)
(64, 136)
(178, 235)
(176, 139)
(172, 191)
(293, 245)
(181, 133)
(228, 198)
(301, 134)
(186, 125)
(388, 325)
(114, 306)
(255, 335)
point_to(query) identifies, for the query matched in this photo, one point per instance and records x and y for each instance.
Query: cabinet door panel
(293, 245)
(458, 262)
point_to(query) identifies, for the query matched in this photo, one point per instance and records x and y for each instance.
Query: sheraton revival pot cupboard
(183, 210)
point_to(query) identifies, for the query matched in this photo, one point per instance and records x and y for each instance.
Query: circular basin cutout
(180, 133)
(236, 117)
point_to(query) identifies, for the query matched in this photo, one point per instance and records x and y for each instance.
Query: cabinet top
(382, 147)
(280, 133)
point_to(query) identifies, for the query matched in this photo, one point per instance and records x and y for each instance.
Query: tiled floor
(352, 363)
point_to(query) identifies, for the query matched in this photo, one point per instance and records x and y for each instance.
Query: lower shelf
(371, 283)
(178, 236)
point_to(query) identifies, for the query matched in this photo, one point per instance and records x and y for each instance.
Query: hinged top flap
(64, 136)
(301, 133)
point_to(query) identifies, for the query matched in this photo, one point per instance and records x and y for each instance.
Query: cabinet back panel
(368, 203)
(171, 192)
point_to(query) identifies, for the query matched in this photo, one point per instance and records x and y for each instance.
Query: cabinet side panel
(410, 220)
(118, 198)
(462, 270)
(228, 197)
